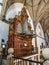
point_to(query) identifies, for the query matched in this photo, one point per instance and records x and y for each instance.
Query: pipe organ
(20, 33)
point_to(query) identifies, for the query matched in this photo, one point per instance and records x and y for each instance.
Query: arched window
(1, 5)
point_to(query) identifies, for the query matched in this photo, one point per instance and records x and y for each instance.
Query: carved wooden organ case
(19, 34)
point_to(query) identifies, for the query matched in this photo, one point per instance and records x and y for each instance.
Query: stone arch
(14, 9)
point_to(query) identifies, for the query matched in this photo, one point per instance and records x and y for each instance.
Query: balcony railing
(27, 61)
(19, 61)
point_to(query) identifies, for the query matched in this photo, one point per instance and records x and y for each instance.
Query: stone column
(36, 47)
(35, 24)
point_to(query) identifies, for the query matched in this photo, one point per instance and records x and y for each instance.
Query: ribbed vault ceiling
(38, 9)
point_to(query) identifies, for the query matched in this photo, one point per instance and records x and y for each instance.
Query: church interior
(24, 32)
